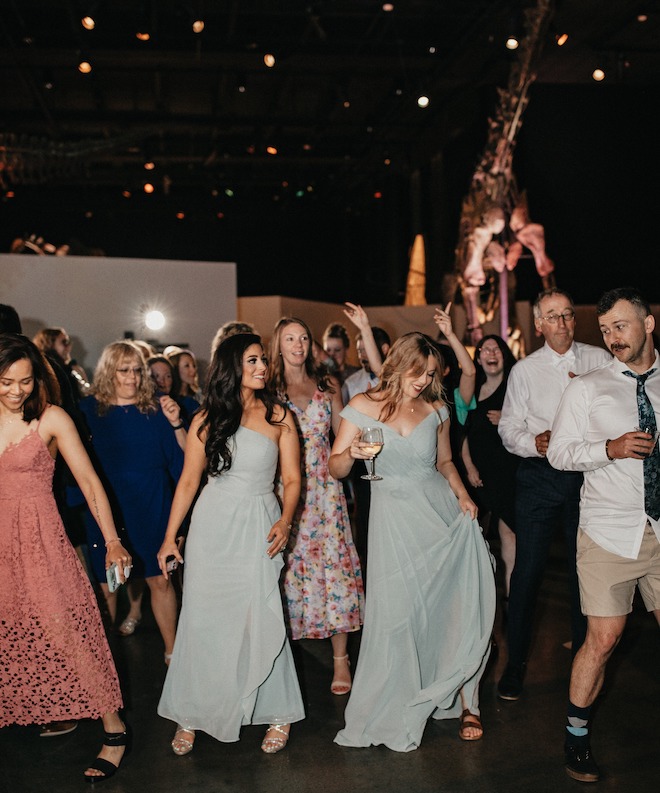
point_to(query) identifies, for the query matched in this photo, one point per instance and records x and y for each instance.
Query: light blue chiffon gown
(430, 603)
(232, 663)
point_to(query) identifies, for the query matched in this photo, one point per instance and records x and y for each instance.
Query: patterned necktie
(647, 422)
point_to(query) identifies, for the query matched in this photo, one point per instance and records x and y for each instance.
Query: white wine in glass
(372, 443)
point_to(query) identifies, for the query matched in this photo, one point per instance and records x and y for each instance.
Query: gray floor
(521, 749)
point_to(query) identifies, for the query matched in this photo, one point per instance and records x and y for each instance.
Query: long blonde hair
(408, 355)
(103, 387)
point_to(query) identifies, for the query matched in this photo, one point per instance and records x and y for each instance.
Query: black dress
(496, 466)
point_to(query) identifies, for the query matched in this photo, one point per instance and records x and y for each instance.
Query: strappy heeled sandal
(275, 743)
(340, 687)
(181, 745)
(107, 768)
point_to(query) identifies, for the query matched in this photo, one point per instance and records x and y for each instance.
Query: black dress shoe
(511, 684)
(580, 764)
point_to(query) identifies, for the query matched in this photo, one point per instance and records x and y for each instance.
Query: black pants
(545, 498)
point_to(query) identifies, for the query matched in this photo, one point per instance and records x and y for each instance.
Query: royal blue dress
(139, 461)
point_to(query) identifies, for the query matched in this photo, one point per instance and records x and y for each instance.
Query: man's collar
(558, 358)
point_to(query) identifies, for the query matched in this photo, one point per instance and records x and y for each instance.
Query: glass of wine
(372, 443)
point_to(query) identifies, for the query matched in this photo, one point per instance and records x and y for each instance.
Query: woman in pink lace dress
(55, 663)
(323, 581)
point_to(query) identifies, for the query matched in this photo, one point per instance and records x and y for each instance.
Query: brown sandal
(470, 721)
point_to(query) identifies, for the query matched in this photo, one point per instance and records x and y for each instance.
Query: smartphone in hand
(112, 576)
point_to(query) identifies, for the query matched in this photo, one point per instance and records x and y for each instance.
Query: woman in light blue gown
(431, 594)
(232, 664)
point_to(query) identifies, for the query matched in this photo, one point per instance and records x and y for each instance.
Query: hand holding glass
(372, 443)
(654, 436)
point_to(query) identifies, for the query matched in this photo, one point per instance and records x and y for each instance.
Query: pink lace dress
(323, 581)
(55, 663)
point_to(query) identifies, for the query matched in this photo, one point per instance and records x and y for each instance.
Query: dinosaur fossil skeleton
(495, 224)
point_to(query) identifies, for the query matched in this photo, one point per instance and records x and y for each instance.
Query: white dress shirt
(534, 389)
(358, 383)
(595, 407)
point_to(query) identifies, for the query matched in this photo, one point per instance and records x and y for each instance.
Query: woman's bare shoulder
(370, 406)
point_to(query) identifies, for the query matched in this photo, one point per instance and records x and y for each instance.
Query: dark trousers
(545, 498)
(362, 494)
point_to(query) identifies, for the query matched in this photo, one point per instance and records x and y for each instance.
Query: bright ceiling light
(198, 26)
(154, 320)
(423, 100)
(598, 75)
(269, 60)
(88, 23)
(512, 43)
(561, 39)
(84, 67)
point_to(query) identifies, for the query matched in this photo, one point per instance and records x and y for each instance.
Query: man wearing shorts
(606, 427)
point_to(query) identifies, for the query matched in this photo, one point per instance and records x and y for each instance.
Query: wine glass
(372, 443)
(649, 431)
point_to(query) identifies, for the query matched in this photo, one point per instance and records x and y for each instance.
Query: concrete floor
(521, 749)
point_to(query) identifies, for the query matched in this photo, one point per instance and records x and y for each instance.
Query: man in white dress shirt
(545, 497)
(595, 431)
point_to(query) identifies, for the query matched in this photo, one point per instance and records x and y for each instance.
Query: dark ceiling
(339, 105)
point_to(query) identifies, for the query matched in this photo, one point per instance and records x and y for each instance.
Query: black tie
(647, 423)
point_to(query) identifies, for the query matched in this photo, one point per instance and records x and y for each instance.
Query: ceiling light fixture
(423, 100)
(148, 188)
(154, 319)
(561, 39)
(598, 75)
(143, 35)
(88, 22)
(512, 42)
(149, 165)
(271, 150)
(269, 60)
(198, 25)
(84, 65)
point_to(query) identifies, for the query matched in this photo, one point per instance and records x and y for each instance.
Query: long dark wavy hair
(276, 376)
(46, 391)
(507, 355)
(222, 406)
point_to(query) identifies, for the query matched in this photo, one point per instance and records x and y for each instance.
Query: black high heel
(107, 768)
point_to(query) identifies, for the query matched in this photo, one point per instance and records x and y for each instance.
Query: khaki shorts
(608, 581)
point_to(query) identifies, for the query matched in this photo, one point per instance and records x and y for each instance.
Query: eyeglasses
(553, 319)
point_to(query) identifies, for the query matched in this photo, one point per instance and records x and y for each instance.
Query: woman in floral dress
(323, 581)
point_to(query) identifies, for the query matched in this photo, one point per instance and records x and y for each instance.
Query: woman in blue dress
(137, 455)
(431, 596)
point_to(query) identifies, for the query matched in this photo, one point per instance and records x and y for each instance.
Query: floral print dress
(323, 581)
